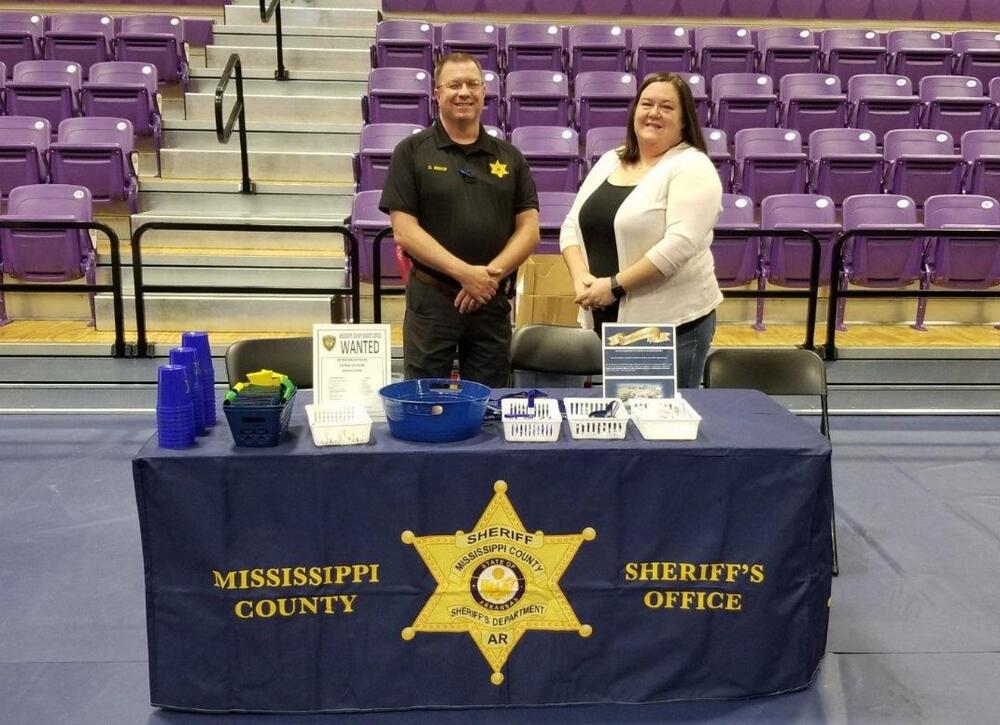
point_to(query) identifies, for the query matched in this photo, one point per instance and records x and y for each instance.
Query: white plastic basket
(665, 419)
(582, 425)
(339, 423)
(541, 427)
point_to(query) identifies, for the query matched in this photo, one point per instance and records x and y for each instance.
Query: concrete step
(305, 276)
(296, 162)
(296, 59)
(351, 131)
(288, 103)
(231, 186)
(222, 313)
(342, 4)
(262, 36)
(214, 73)
(297, 16)
(333, 87)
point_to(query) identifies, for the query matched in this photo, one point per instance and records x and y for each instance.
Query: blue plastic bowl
(434, 410)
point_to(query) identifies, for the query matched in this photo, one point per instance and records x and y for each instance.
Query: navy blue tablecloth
(397, 574)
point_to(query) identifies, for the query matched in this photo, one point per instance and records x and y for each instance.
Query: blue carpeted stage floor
(914, 632)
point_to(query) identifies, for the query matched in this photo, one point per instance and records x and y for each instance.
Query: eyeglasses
(455, 86)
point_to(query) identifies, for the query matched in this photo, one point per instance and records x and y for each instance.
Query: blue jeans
(693, 342)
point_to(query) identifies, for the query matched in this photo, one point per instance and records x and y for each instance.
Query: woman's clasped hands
(593, 292)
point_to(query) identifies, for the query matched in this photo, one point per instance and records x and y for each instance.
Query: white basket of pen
(530, 420)
(339, 423)
(596, 418)
(665, 419)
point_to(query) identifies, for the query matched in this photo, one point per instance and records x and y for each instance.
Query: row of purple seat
(743, 257)
(765, 161)
(709, 49)
(97, 153)
(869, 259)
(805, 101)
(53, 90)
(51, 255)
(88, 38)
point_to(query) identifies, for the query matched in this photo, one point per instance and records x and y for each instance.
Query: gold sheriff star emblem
(498, 169)
(497, 581)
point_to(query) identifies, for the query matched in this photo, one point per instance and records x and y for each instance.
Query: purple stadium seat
(657, 48)
(403, 44)
(375, 149)
(769, 161)
(718, 151)
(158, 40)
(597, 48)
(852, 51)
(919, 53)
(553, 206)
(699, 91)
(480, 40)
(24, 148)
(20, 38)
(397, 95)
(882, 103)
(603, 99)
(492, 100)
(786, 262)
(810, 101)
(537, 98)
(552, 154)
(843, 162)
(119, 89)
(921, 163)
(534, 46)
(743, 100)
(871, 260)
(495, 132)
(97, 153)
(981, 153)
(787, 50)
(736, 255)
(48, 89)
(82, 38)
(599, 141)
(367, 220)
(955, 104)
(977, 54)
(956, 263)
(51, 255)
(724, 49)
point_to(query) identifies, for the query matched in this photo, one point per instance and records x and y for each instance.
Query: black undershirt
(597, 226)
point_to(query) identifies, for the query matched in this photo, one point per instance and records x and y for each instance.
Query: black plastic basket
(259, 426)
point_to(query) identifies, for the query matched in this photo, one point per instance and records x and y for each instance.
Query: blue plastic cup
(199, 341)
(188, 358)
(175, 423)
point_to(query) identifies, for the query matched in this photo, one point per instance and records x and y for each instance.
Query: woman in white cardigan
(637, 237)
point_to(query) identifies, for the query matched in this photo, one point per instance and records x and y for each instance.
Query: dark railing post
(115, 288)
(266, 12)
(836, 270)
(224, 131)
(377, 290)
(351, 244)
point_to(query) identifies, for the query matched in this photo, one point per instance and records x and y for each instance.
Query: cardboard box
(546, 310)
(544, 274)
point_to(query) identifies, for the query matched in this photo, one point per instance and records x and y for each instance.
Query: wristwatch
(616, 289)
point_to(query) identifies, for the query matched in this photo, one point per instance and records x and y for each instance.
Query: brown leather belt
(432, 281)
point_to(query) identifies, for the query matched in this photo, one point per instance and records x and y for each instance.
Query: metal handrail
(837, 268)
(811, 294)
(224, 131)
(115, 288)
(266, 12)
(142, 343)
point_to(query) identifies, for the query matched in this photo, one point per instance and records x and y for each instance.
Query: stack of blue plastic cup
(174, 407)
(188, 357)
(199, 341)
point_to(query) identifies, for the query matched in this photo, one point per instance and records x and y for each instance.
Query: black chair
(785, 371)
(292, 356)
(557, 356)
